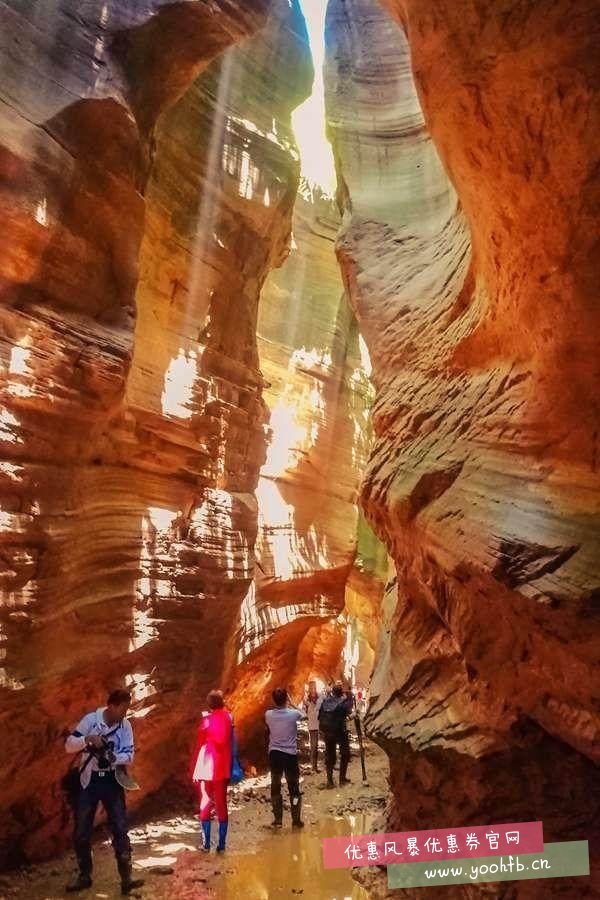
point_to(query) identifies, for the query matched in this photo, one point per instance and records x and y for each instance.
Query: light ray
(207, 210)
(317, 166)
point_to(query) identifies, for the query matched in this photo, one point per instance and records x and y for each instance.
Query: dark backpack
(332, 715)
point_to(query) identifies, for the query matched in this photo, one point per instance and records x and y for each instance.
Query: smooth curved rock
(296, 616)
(479, 315)
(130, 459)
(146, 196)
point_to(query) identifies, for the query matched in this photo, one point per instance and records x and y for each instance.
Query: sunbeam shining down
(309, 119)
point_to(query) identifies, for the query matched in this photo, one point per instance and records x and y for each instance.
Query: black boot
(296, 803)
(128, 884)
(343, 771)
(81, 883)
(330, 783)
(277, 804)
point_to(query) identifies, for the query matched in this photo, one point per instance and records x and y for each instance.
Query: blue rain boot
(222, 836)
(206, 833)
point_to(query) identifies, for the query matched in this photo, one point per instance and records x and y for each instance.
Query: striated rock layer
(474, 281)
(128, 476)
(295, 617)
(131, 450)
(219, 206)
(146, 194)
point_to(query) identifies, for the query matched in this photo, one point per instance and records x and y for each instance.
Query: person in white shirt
(282, 725)
(312, 705)
(105, 740)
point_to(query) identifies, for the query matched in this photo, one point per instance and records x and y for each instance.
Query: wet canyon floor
(259, 863)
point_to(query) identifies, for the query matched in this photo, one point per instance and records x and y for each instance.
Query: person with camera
(282, 733)
(104, 739)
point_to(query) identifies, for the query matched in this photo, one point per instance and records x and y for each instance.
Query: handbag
(70, 783)
(237, 773)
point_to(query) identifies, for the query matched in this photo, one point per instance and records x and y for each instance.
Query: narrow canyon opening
(299, 380)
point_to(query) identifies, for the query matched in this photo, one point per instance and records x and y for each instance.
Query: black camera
(105, 755)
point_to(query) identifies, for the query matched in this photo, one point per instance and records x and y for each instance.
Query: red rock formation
(295, 617)
(482, 326)
(124, 514)
(145, 201)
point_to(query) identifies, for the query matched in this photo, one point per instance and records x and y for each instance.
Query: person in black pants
(332, 721)
(103, 788)
(282, 726)
(105, 740)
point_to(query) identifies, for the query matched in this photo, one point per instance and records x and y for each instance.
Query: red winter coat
(211, 760)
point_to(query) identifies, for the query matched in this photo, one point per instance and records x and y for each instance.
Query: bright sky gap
(309, 119)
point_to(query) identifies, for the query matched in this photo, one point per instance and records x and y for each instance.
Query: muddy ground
(259, 864)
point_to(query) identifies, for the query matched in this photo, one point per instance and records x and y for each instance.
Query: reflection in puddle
(290, 864)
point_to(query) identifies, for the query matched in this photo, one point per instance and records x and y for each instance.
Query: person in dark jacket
(333, 714)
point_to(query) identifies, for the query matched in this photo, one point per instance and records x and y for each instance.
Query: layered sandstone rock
(294, 618)
(479, 313)
(145, 202)
(130, 461)
(363, 607)
(219, 204)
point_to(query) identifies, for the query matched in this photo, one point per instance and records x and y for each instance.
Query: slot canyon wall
(474, 276)
(146, 194)
(320, 572)
(184, 406)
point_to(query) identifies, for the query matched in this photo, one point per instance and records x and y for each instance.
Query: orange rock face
(298, 612)
(121, 519)
(152, 520)
(180, 463)
(473, 277)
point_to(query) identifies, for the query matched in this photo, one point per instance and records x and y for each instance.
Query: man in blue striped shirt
(105, 740)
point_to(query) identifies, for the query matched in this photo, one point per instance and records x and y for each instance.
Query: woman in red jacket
(211, 766)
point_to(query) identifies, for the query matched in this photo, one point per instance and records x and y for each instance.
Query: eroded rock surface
(475, 291)
(219, 206)
(295, 617)
(147, 193)
(131, 451)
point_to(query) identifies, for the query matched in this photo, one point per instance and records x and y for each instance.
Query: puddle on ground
(289, 864)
